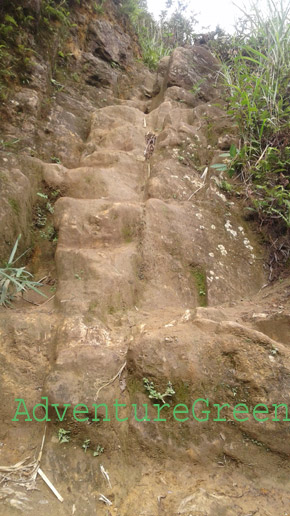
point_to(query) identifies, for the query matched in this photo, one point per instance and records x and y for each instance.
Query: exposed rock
(97, 72)
(32, 5)
(163, 66)
(220, 357)
(150, 87)
(28, 101)
(109, 42)
(225, 142)
(193, 67)
(181, 95)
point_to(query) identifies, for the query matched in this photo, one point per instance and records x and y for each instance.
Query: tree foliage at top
(174, 28)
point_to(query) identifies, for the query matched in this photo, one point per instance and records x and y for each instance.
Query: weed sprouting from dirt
(15, 279)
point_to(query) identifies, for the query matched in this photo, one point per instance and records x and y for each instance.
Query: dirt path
(157, 270)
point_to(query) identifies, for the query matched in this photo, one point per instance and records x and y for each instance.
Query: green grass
(15, 279)
(256, 70)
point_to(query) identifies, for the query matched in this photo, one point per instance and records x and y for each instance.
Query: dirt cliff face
(151, 272)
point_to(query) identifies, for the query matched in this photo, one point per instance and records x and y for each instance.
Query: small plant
(53, 12)
(63, 435)
(227, 187)
(42, 195)
(98, 451)
(199, 277)
(86, 444)
(76, 77)
(154, 394)
(48, 205)
(50, 234)
(99, 9)
(55, 193)
(196, 88)
(14, 280)
(7, 144)
(54, 159)
(57, 84)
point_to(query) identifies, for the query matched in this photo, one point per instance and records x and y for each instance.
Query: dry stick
(31, 476)
(262, 155)
(195, 192)
(41, 449)
(47, 301)
(47, 481)
(40, 472)
(112, 380)
(31, 302)
(203, 177)
(149, 170)
(24, 468)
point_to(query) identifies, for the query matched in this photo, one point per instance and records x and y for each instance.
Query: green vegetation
(256, 70)
(14, 205)
(15, 279)
(199, 277)
(154, 394)
(86, 444)
(63, 435)
(42, 212)
(50, 234)
(7, 144)
(157, 39)
(98, 451)
(99, 8)
(227, 187)
(22, 28)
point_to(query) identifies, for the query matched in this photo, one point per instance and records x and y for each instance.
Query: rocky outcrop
(193, 68)
(158, 277)
(109, 42)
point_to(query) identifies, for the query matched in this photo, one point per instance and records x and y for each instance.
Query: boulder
(193, 68)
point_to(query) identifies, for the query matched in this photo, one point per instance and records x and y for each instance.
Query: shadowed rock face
(109, 42)
(158, 277)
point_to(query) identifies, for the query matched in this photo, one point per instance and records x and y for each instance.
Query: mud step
(96, 223)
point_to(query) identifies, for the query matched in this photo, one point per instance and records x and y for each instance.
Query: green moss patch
(199, 276)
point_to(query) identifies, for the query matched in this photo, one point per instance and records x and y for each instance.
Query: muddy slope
(159, 277)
